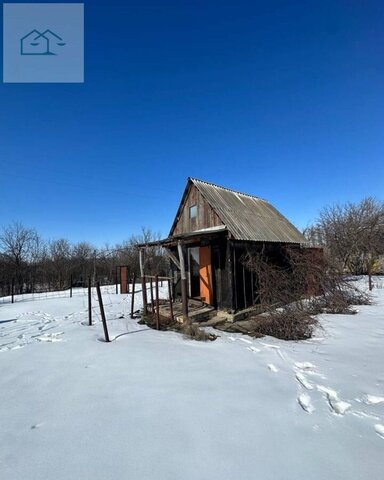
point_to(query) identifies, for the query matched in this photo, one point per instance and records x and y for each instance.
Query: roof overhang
(189, 237)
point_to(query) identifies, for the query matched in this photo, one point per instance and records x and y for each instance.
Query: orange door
(206, 275)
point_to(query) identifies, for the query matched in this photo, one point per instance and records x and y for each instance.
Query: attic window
(193, 211)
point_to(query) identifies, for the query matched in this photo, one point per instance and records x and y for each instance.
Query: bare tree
(60, 253)
(353, 235)
(18, 244)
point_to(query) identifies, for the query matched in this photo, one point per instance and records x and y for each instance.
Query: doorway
(206, 291)
(200, 273)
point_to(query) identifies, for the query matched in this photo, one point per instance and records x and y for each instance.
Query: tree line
(33, 264)
(352, 235)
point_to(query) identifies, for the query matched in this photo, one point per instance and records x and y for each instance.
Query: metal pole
(157, 303)
(151, 285)
(102, 313)
(170, 299)
(89, 303)
(143, 282)
(133, 295)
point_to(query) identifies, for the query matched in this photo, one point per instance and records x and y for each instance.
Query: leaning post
(102, 313)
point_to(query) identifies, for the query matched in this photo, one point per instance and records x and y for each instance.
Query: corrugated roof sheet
(248, 217)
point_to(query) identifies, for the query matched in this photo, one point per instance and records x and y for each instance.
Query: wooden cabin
(213, 229)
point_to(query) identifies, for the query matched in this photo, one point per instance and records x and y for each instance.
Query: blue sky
(281, 99)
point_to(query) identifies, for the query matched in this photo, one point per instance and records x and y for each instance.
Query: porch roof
(190, 236)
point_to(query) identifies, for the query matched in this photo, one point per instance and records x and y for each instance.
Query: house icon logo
(37, 43)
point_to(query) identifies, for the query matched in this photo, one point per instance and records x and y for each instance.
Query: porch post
(184, 295)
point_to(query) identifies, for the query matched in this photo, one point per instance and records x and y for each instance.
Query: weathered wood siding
(205, 218)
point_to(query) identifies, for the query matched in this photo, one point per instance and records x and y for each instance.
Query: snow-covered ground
(153, 405)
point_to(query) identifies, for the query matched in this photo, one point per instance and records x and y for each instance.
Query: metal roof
(248, 217)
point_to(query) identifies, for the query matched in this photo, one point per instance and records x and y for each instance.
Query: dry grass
(193, 331)
(188, 330)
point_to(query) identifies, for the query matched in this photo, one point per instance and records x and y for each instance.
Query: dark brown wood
(253, 288)
(117, 280)
(89, 302)
(143, 282)
(173, 257)
(151, 291)
(70, 287)
(230, 275)
(144, 295)
(170, 299)
(234, 276)
(102, 313)
(124, 280)
(157, 304)
(133, 295)
(13, 290)
(244, 289)
(206, 216)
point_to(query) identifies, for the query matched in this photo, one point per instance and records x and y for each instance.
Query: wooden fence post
(89, 302)
(170, 299)
(102, 313)
(152, 306)
(133, 295)
(143, 282)
(157, 303)
(117, 280)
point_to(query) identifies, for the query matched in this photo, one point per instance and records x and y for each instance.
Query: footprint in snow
(305, 365)
(339, 407)
(254, 349)
(50, 337)
(245, 340)
(268, 345)
(37, 425)
(305, 403)
(371, 399)
(379, 429)
(303, 381)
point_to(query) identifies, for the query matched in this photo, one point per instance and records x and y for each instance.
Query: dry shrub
(339, 301)
(286, 323)
(297, 285)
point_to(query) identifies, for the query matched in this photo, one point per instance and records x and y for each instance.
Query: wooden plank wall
(206, 217)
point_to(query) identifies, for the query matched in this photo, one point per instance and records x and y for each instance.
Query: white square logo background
(65, 20)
